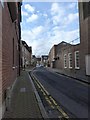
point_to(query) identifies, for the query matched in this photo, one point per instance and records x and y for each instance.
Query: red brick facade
(10, 45)
(84, 17)
(0, 60)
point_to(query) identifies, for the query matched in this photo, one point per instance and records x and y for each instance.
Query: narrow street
(44, 59)
(72, 95)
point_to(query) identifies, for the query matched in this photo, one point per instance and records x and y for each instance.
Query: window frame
(76, 67)
(70, 60)
(65, 60)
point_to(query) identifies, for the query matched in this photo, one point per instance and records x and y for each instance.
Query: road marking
(38, 85)
(53, 101)
(52, 107)
(41, 85)
(63, 113)
(49, 98)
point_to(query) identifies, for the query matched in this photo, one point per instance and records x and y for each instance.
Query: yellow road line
(52, 107)
(62, 112)
(43, 90)
(59, 109)
(40, 84)
(53, 101)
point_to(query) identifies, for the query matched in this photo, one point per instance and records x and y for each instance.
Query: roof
(29, 48)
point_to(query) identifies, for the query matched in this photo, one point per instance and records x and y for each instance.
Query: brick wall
(84, 37)
(0, 61)
(64, 49)
(59, 63)
(8, 34)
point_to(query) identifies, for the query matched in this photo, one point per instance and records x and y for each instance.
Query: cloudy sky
(46, 23)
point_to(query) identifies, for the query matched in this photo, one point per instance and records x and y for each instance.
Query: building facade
(38, 59)
(73, 60)
(10, 47)
(0, 61)
(84, 20)
(52, 55)
(26, 54)
(33, 60)
(44, 60)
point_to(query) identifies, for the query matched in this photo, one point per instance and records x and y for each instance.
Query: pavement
(23, 100)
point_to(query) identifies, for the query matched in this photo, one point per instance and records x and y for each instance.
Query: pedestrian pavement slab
(23, 100)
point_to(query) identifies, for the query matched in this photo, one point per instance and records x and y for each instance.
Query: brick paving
(23, 101)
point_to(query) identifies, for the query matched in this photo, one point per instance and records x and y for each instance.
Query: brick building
(67, 59)
(84, 18)
(10, 47)
(70, 59)
(26, 54)
(0, 61)
(52, 55)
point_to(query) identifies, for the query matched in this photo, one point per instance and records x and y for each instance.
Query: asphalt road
(69, 93)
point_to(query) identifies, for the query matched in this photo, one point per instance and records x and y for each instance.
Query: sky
(47, 23)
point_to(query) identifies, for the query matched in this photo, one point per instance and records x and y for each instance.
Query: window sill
(77, 68)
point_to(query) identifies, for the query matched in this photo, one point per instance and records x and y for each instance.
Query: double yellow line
(53, 104)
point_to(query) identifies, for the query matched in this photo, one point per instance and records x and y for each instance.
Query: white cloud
(55, 8)
(61, 35)
(60, 15)
(33, 34)
(29, 8)
(42, 38)
(38, 11)
(24, 13)
(45, 15)
(70, 18)
(37, 31)
(72, 5)
(57, 13)
(32, 18)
